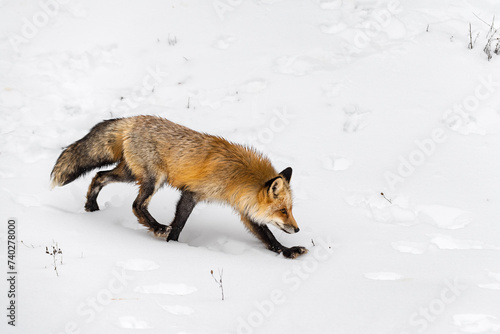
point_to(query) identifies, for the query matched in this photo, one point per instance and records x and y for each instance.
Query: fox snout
(286, 228)
(289, 225)
(290, 229)
(292, 223)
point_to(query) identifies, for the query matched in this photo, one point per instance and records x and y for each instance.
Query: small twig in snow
(29, 246)
(54, 252)
(388, 200)
(471, 44)
(481, 19)
(219, 281)
(172, 40)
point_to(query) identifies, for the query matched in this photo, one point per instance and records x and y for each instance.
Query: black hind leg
(119, 174)
(140, 208)
(184, 208)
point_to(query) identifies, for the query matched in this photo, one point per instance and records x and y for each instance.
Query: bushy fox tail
(102, 146)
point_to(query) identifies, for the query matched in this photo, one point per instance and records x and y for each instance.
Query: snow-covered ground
(359, 97)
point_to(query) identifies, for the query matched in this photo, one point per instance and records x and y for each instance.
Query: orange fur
(153, 151)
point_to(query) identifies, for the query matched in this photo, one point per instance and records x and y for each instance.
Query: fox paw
(91, 206)
(162, 232)
(173, 234)
(293, 252)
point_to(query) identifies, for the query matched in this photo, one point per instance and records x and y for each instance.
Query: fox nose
(297, 229)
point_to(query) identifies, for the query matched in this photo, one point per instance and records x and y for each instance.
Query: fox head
(275, 203)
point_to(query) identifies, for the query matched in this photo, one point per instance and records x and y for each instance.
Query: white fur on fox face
(279, 225)
(282, 226)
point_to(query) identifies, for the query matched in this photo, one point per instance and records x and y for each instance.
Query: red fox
(152, 151)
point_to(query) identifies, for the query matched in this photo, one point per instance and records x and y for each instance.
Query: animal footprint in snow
(333, 89)
(254, 86)
(450, 243)
(215, 98)
(333, 28)
(444, 216)
(330, 4)
(130, 322)
(177, 309)
(294, 65)
(376, 207)
(487, 121)
(492, 286)
(166, 289)
(356, 118)
(410, 247)
(336, 163)
(138, 265)
(224, 42)
(303, 64)
(228, 246)
(477, 323)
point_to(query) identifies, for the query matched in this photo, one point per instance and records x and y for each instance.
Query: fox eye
(283, 211)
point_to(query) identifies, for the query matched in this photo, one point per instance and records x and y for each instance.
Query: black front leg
(184, 208)
(266, 236)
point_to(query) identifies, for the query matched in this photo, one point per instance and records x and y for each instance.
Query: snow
(384, 276)
(361, 98)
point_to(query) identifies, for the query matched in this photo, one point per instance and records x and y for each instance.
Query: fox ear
(274, 186)
(287, 174)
